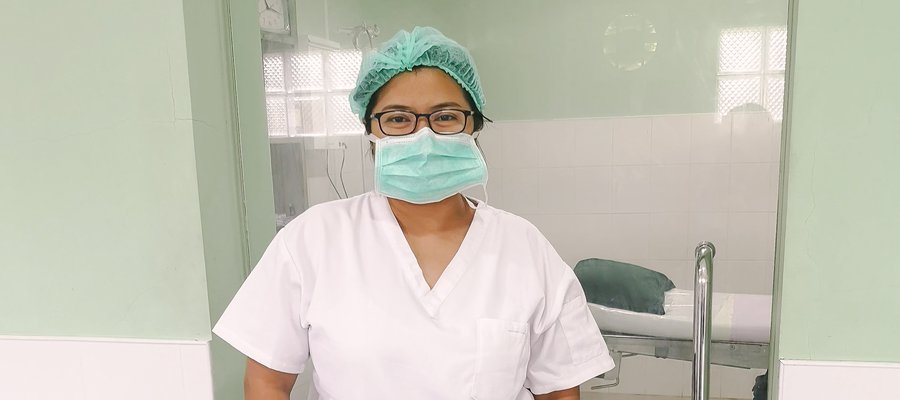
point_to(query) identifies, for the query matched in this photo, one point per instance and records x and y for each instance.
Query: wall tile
(104, 370)
(521, 144)
(491, 142)
(596, 234)
(163, 365)
(670, 139)
(777, 129)
(753, 277)
(593, 142)
(709, 227)
(632, 190)
(668, 236)
(593, 189)
(521, 194)
(26, 365)
(556, 188)
(557, 144)
(631, 141)
(664, 376)
(710, 140)
(681, 272)
(751, 236)
(753, 138)
(751, 188)
(670, 187)
(196, 371)
(709, 188)
(577, 237)
(774, 182)
(629, 237)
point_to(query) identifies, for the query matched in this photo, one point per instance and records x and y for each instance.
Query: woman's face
(421, 91)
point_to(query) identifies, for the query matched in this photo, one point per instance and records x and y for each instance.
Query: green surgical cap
(424, 46)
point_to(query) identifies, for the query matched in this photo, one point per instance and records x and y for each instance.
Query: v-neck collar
(431, 298)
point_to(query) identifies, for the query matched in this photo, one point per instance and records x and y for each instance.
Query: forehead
(420, 89)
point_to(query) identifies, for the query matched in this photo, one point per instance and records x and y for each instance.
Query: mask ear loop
(475, 201)
(484, 189)
(475, 136)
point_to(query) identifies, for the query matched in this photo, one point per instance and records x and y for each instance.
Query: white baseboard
(41, 368)
(838, 380)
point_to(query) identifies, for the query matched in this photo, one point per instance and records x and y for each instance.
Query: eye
(397, 118)
(448, 116)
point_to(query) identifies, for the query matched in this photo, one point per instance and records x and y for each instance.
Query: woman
(414, 291)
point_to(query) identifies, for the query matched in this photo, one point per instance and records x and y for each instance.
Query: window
(306, 93)
(751, 69)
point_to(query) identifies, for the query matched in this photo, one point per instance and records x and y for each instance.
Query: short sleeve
(568, 349)
(263, 320)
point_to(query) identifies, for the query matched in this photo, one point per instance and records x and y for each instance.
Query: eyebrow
(446, 104)
(394, 107)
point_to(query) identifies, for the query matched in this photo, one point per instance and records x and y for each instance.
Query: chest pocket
(502, 359)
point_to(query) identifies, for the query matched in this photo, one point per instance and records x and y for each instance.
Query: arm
(263, 383)
(568, 394)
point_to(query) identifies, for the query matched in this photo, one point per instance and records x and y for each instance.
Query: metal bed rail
(703, 277)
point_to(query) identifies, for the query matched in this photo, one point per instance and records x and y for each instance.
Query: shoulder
(331, 213)
(514, 227)
(518, 239)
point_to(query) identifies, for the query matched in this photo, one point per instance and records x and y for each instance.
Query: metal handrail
(702, 319)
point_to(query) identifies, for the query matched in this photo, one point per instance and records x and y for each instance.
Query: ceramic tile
(670, 139)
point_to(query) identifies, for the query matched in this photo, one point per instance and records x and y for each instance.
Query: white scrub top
(340, 285)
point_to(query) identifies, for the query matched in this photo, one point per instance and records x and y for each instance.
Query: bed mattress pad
(735, 317)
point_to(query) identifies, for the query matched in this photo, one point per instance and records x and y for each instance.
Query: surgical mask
(425, 167)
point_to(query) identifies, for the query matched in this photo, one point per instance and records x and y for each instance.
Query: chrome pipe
(704, 253)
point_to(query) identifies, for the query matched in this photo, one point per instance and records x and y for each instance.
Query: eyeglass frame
(466, 114)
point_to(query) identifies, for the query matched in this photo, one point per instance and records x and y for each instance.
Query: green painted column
(837, 278)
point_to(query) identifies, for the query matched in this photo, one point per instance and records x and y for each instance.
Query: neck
(446, 214)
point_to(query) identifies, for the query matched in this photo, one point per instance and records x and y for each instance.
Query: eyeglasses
(444, 122)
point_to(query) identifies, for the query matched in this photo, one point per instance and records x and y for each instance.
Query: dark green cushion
(623, 286)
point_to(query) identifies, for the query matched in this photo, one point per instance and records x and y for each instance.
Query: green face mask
(426, 167)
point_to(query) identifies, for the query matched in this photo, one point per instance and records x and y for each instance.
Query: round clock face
(272, 16)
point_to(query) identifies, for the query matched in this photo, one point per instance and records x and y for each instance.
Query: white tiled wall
(834, 380)
(104, 369)
(644, 190)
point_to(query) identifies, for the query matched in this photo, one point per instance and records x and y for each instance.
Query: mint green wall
(325, 18)
(541, 59)
(838, 285)
(101, 230)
